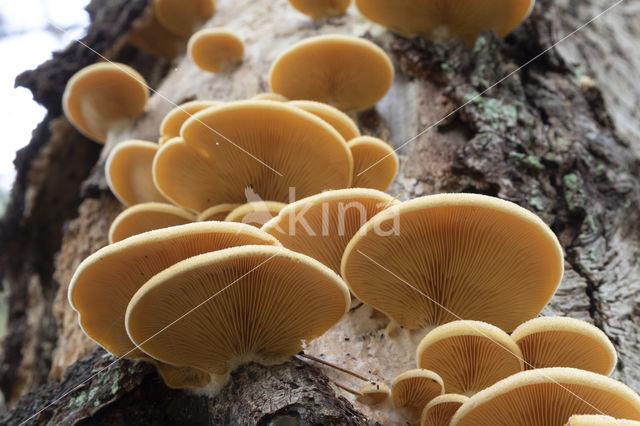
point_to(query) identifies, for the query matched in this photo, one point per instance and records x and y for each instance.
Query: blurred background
(30, 30)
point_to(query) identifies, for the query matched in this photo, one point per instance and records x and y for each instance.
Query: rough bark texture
(539, 139)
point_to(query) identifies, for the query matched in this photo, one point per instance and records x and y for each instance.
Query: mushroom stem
(328, 364)
(345, 388)
(117, 133)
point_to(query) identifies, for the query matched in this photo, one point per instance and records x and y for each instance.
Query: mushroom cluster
(151, 297)
(215, 264)
(167, 28)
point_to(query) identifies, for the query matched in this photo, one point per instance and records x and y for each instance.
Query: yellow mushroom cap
(373, 393)
(565, 342)
(173, 121)
(255, 213)
(105, 282)
(598, 420)
(443, 257)
(548, 397)
(413, 389)
(321, 8)
(212, 47)
(250, 303)
(129, 172)
(322, 225)
(349, 73)
(440, 20)
(268, 96)
(268, 146)
(147, 217)
(338, 119)
(469, 355)
(441, 409)
(183, 17)
(219, 212)
(375, 163)
(101, 96)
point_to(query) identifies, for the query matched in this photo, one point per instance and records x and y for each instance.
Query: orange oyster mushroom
(440, 20)
(375, 163)
(268, 146)
(347, 72)
(212, 48)
(147, 217)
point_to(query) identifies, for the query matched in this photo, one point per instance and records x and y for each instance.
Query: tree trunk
(545, 138)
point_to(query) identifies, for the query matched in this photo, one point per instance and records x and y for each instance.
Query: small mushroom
(146, 217)
(373, 393)
(349, 73)
(183, 17)
(219, 212)
(255, 213)
(338, 119)
(318, 9)
(441, 409)
(565, 342)
(105, 282)
(469, 355)
(598, 420)
(443, 257)
(375, 163)
(442, 20)
(548, 397)
(129, 172)
(412, 390)
(251, 303)
(322, 225)
(212, 49)
(102, 100)
(269, 146)
(173, 121)
(149, 35)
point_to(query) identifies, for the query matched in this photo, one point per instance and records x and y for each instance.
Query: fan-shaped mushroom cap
(129, 172)
(322, 225)
(274, 147)
(413, 389)
(338, 119)
(565, 342)
(547, 397)
(211, 48)
(147, 217)
(183, 17)
(251, 303)
(321, 8)
(104, 283)
(441, 409)
(441, 20)
(219, 212)
(349, 73)
(173, 121)
(103, 96)
(598, 420)
(469, 355)
(373, 393)
(443, 257)
(375, 163)
(256, 213)
(268, 96)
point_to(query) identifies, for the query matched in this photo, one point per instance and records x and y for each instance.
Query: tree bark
(545, 138)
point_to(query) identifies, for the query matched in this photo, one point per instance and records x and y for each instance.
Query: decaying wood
(540, 139)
